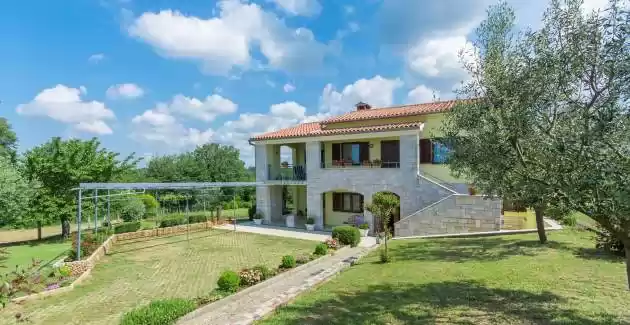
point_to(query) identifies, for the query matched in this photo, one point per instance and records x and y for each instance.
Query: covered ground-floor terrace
(291, 206)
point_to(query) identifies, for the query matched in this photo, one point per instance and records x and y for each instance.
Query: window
(354, 152)
(432, 151)
(348, 202)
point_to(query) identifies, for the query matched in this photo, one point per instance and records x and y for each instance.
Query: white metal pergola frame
(139, 187)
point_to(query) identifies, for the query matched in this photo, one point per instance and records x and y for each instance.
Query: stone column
(409, 153)
(314, 207)
(261, 160)
(313, 194)
(263, 202)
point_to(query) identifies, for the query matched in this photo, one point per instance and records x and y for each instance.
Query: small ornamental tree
(383, 207)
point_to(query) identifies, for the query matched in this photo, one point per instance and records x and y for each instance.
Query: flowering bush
(250, 276)
(332, 243)
(303, 259)
(64, 271)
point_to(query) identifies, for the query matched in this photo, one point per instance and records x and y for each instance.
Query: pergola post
(79, 225)
(96, 210)
(109, 221)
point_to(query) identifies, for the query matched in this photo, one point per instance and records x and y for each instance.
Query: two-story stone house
(338, 165)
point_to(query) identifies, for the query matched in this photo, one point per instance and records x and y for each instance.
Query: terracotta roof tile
(389, 112)
(319, 128)
(314, 129)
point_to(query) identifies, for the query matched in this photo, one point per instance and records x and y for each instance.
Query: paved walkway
(292, 233)
(255, 302)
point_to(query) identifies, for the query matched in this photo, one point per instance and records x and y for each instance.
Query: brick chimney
(362, 106)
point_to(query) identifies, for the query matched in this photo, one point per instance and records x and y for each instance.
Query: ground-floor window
(348, 202)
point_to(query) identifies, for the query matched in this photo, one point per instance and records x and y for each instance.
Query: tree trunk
(540, 225)
(39, 230)
(626, 245)
(65, 228)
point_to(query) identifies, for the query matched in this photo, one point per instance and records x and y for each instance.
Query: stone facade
(414, 191)
(454, 214)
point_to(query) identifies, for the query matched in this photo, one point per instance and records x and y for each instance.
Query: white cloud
(299, 7)
(127, 90)
(225, 42)
(349, 10)
(352, 27)
(288, 88)
(439, 56)
(422, 94)
(96, 58)
(378, 92)
(205, 110)
(159, 126)
(64, 104)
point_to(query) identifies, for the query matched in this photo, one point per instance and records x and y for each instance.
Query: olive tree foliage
(547, 120)
(383, 206)
(60, 165)
(8, 140)
(15, 194)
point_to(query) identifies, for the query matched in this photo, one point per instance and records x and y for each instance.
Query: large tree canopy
(60, 165)
(15, 194)
(8, 140)
(548, 121)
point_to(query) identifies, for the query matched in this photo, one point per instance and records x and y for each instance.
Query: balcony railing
(365, 164)
(287, 173)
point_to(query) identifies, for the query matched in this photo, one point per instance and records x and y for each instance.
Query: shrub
(211, 297)
(310, 221)
(321, 249)
(249, 277)
(172, 221)
(159, 312)
(197, 218)
(251, 212)
(288, 262)
(264, 271)
(89, 243)
(364, 226)
(347, 235)
(303, 259)
(65, 271)
(606, 241)
(151, 205)
(332, 243)
(229, 281)
(132, 209)
(127, 227)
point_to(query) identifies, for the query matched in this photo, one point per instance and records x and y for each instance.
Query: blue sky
(162, 76)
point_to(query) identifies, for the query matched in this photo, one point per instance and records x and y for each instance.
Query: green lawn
(46, 251)
(490, 280)
(147, 269)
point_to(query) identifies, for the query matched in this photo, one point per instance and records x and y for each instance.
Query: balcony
(287, 172)
(365, 164)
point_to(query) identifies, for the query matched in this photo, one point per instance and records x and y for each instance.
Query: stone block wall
(455, 214)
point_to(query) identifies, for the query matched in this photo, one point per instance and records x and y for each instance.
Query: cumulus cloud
(288, 87)
(439, 57)
(159, 126)
(422, 94)
(127, 90)
(96, 58)
(205, 110)
(299, 7)
(377, 92)
(64, 104)
(226, 42)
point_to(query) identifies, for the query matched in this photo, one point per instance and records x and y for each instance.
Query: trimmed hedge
(288, 262)
(182, 220)
(127, 227)
(197, 218)
(172, 221)
(321, 249)
(229, 281)
(159, 312)
(347, 235)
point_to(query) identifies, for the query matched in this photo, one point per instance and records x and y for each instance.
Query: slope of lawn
(491, 280)
(45, 251)
(139, 271)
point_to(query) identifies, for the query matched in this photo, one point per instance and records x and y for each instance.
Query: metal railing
(287, 172)
(365, 164)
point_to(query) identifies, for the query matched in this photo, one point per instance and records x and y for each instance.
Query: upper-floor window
(433, 151)
(353, 152)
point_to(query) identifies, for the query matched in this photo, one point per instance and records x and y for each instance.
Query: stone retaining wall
(455, 214)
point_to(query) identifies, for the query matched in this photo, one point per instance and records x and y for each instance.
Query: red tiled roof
(389, 112)
(314, 129)
(319, 128)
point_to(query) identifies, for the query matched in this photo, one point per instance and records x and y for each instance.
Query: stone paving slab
(255, 302)
(292, 233)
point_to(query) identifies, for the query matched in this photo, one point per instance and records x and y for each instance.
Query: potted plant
(310, 224)
(258, 218)
(364, 228)
(376, 163)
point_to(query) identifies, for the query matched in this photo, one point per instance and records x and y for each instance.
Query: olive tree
(383, 206)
